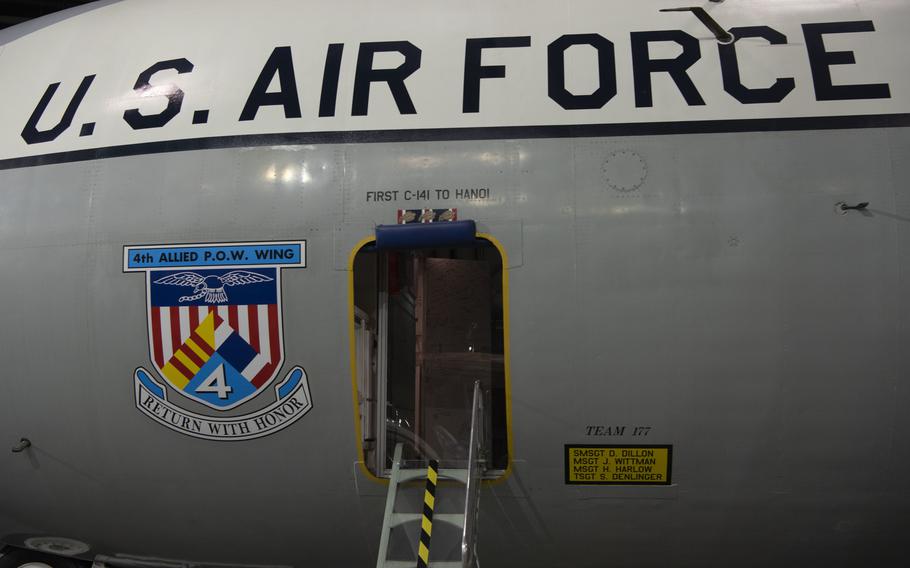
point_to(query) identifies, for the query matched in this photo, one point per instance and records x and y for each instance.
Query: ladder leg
(389, 508)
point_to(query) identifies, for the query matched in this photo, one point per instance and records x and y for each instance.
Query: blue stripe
(291, 383)
(149, 384)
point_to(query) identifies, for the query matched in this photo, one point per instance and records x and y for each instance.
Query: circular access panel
(624, 170)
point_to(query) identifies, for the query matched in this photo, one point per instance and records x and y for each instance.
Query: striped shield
(215, 334)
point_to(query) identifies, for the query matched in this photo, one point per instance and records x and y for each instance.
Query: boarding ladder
(469, 476)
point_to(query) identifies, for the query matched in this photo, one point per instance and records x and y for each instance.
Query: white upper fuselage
(222, 49)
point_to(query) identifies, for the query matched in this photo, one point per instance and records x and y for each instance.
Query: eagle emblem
(211, 287)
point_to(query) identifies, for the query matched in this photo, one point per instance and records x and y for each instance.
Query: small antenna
(722, 35)
(844, 207)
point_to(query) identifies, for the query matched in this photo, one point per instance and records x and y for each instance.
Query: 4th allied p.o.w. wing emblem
(216, 338)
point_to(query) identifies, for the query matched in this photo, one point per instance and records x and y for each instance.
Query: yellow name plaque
(618, 465)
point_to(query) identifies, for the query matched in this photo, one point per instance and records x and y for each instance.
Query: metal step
(413, 563)
(456, 519)
(459, 475)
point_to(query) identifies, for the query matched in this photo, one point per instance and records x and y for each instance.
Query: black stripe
(431, 488)
(427, 511)
(474, 133)
(421, 563)
(425, 538)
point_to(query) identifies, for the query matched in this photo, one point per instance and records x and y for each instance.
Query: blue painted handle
(426, 235)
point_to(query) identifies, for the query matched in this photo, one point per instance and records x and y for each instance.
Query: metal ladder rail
(472, 483)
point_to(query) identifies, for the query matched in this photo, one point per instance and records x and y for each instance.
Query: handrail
(475, 472)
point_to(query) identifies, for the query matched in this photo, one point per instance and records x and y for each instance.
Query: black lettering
(330, 75)
(606, 72)
(279, 63)
(365, 75)
(143, 87)
(729, 65)
(643, 66)
(32, 135)
(474, 71)
(148, 401)
(821, 61)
